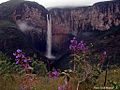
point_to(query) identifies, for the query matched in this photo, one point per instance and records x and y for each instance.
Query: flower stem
(78, 84)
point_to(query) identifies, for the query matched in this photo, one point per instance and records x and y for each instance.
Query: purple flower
(18, 56)
(102, 57)
(53, 74)
(19, 51)
(25, 60)
(17, 61)
(81, 46)
(21, 58)
(73, 44)
(59, 88)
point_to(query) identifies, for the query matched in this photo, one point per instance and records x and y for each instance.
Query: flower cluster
(53, 74)
(21, 59)
(102, 57)
(77, 46)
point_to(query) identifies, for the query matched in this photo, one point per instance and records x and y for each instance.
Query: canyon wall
(71, 21)
(30, 19)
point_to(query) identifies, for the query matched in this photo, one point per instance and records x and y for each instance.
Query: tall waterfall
(49, 38)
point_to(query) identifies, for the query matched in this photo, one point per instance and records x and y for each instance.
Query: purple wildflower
(18, 56)
(60, 88)
(21, 58)
(53, 74)
(73, 44)
(17, 61)
(81, 45)
(19, 51)
(25, 60)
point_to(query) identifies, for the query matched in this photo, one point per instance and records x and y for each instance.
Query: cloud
(58, 3)
(55, 3)
(24, 26)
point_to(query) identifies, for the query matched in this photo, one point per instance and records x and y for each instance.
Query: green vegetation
(45, 83)
(86, 71)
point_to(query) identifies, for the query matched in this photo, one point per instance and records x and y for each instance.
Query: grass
(44, 83)
(113, 74)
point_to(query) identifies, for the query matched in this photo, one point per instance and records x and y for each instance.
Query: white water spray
(49, 38)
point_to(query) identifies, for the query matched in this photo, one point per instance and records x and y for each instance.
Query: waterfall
(49, 38)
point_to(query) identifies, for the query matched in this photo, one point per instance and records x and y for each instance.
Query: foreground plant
(66, 84)
(7, 67)
(80, 52)
(116, 85)
(28, 80)
(22, 59)
(53, 74)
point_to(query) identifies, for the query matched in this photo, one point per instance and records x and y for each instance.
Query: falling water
(49, 38)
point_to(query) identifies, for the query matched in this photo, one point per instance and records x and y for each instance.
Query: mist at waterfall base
(49, 38)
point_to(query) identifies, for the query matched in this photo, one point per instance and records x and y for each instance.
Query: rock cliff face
(26, 17)
(101, 16)
(30, 18)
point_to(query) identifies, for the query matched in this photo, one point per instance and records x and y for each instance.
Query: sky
(64, 3)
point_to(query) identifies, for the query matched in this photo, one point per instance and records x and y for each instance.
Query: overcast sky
(55, 3)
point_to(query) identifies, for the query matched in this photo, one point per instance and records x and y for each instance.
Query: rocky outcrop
(29, 17)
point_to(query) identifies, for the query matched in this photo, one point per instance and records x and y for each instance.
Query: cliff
(28, 18)
(92, 24)
(72, 21)
(100, 16)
